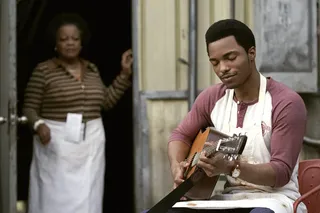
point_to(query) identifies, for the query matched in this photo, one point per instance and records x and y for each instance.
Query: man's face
(230, 61)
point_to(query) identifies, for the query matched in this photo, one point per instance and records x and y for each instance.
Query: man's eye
(215, 63)
(231, 58)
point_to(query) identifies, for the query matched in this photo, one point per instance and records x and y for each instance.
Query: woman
(63, 103)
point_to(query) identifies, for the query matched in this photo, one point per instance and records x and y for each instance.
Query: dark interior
(110, 26)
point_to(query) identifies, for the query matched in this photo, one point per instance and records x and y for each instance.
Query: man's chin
(231, 85)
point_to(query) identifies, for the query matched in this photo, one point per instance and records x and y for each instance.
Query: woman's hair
(65, 19)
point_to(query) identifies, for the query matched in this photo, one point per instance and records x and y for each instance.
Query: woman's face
(68, 41)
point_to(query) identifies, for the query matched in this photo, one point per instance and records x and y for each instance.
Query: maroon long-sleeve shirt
(288, 118)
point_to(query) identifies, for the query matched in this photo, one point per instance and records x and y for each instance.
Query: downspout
(232, 9)
(139, 198)
(192, 68)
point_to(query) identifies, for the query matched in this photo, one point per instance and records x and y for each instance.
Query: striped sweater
(52, 92)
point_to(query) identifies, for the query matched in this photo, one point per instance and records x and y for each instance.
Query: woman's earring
(55, 49)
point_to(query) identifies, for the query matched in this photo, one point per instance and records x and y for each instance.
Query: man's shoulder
(284, 97)
(214, 92)
(281, 92)
(208, 98)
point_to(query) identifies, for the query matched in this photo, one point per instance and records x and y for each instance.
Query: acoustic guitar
(197, 184)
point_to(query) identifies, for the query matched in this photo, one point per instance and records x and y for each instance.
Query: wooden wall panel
(163, 117)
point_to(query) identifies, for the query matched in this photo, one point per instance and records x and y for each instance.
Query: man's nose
(224, 67)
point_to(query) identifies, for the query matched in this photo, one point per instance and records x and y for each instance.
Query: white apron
(242, 194)
(66, 177)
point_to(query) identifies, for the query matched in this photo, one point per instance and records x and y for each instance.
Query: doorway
(110, 26)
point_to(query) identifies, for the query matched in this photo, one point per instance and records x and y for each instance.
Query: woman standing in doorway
(63, 103)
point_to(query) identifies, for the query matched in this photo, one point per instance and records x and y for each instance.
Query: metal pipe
(311, 141)
(232, 9)
(192, 77)
(137, 145)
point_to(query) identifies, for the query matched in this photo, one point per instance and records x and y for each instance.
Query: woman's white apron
(67, 177)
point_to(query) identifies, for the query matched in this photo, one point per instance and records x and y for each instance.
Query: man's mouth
(227, 77)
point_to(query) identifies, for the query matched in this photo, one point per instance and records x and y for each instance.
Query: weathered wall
(163, 39)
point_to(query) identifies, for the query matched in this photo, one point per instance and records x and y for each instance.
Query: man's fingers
(184, 164)
(183, 198)
(208, 143)
(178, 181)
(206, 159)
(205, 165)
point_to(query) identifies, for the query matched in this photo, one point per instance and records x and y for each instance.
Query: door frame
(8, 99)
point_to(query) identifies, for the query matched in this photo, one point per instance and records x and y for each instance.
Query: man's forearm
(177, 152)
(259, 174)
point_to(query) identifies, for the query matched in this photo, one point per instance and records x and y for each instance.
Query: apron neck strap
(260, 104)
(262, 98)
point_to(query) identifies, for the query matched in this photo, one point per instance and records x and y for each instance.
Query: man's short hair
(231, 27)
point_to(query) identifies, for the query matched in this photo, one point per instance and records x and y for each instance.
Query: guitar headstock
(232, 146)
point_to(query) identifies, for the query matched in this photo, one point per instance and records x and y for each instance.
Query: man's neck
(249, 91)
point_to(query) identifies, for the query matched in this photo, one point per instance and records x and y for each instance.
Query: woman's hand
(44, 134)
(126, 62)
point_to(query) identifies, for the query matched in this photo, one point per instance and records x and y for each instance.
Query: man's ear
(252, 53)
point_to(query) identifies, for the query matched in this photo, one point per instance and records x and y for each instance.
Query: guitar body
(203, 189)
(197, 184)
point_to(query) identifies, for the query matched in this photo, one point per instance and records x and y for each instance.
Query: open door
(8, 106)
(8, 103)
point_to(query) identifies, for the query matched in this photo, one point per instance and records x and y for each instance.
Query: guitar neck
(174, 196)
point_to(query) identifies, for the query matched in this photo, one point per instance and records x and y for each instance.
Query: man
(272, 115)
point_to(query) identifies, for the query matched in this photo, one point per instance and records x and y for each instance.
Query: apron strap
(260, 105)
(262, 98)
